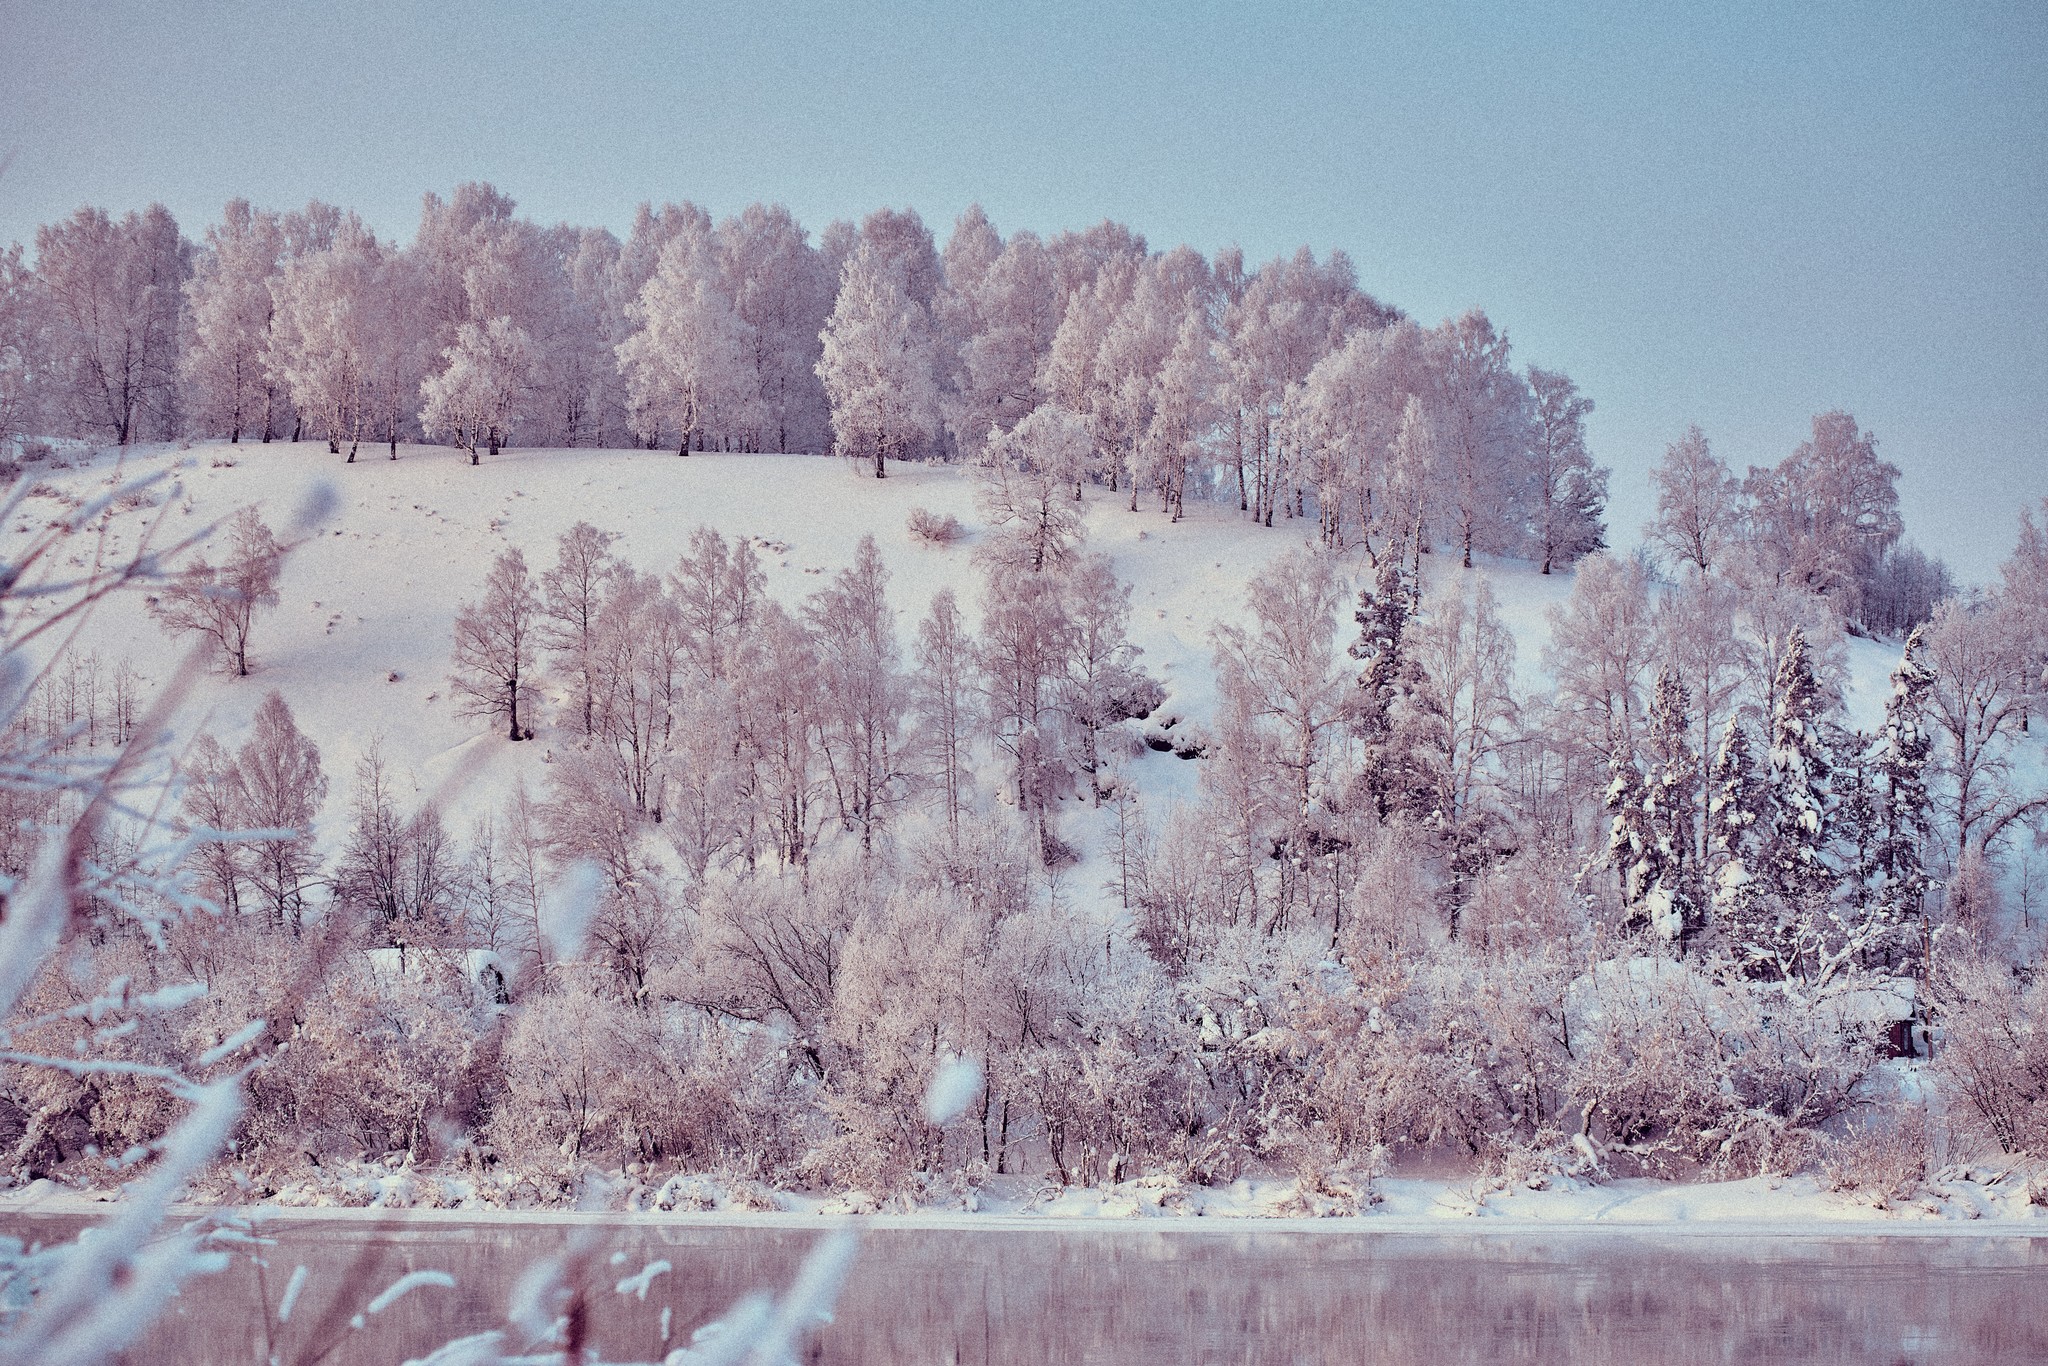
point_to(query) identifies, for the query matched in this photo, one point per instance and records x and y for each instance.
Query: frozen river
(1140, 1295)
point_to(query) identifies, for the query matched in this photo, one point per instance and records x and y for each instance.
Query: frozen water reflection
(1148, 1295)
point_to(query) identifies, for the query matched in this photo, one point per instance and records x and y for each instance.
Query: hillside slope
(359, 645)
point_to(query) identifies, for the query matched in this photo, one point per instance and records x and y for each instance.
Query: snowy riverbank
(1978, 1200)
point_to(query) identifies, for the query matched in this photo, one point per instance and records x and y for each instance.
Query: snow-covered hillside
(359, 644)
(1389, 965)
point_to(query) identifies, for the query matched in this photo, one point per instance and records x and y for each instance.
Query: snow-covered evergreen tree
(1903, 812)
(1799, 778)
(1672, 901)
(1382, 616)
(1736, 809)
(1631, 844)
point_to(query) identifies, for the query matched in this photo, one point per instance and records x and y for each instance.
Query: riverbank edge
(1450, 1224)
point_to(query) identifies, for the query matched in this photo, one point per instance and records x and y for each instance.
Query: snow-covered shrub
(1491, 1041)
(1104, 1071)
(1336, 1189)
(591, 1079)
(380, 1059)
(86, 1124)
(1882, 1157)
(1991, 1053)
(1677, 1073)
(934, 529)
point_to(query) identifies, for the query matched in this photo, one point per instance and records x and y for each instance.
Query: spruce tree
(1631, 845)
(1800, 779)
(1382, 617)
(1735, 835)
(1900, 815)
(1671, 794)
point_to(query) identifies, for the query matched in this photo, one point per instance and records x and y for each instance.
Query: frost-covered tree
(220, 603)
(1133, 354)
(880, 363)
(781, 694)
(1023, 652)
(396, 873)
(282, 786)
(1347, 419)
(971, 250)
(1827, 513)
(495, 640)
(22, 344)
(1902, 815)
(691, 364)
(944, 705)
(1674, 900)
(113, 295)
(1282, 678)
(485, 389)
(1104, 684)
(1602, 653)
(571, 595)
(782, 293)
(1699, 503)
(215, 802)
(1028, 490)
(1799, 775)
(2025, 584)
(1695, 624)
(1174, 449)
(1382, 616)
(229, 327)
(1737, 832)
(1631, 842)
(1977, 705)
(855, 632)
(1073, 376)
(326, 331)
(1457, 717)
(1901, 591)
(1481, 422)
(1412, 473)
(1567, 490)
(1791, 917)
(1003, 320)
(721, 592)
(636, 663)
(1286, 318)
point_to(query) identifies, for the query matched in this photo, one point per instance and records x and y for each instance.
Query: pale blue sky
(1735, 214)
